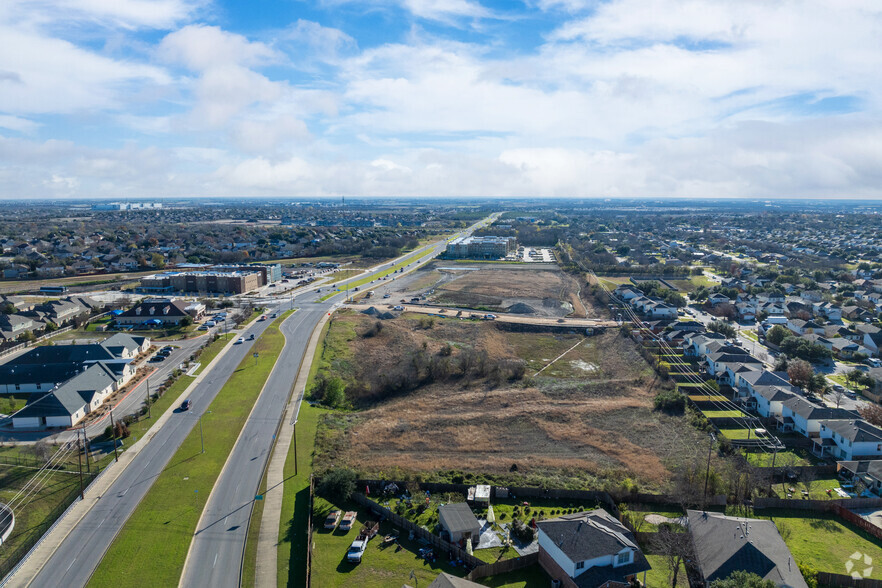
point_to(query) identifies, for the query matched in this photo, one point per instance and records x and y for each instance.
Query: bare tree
(872, 413)
(837, 396)
(800, 372)
(675, 547)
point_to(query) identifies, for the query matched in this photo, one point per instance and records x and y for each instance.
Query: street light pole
(147, 400)
(113, 434)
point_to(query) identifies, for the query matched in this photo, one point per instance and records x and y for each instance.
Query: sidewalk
(270, 521)
(43, 550)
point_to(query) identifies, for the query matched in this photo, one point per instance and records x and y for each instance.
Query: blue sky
(586, 98)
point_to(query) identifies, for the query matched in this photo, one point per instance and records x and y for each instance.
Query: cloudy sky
(588, 98)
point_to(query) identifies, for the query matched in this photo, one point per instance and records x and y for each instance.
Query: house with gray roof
(67, 404)
(589, 550)
(724, 544)
(864, 474)
(805, 417)
(848, 440)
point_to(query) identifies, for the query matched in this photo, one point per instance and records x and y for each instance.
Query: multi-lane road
(215, 558)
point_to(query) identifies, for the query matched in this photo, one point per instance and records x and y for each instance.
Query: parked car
(332, 519)
(387, 296)
(348, 521)
(398, 307)
(185, 405)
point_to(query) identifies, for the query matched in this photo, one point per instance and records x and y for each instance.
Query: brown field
(548, 291)
(589, 412)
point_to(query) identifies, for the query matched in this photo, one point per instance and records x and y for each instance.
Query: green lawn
(139, 429)
(788, 457)
(750, 335)
(210, 352)
(817, 489)
(737, 433)
(382, 565)
(707, 398)
(10, 403)
(158, 533)
(723, 413)
(291, 568)
(823, 541)
(657, 577)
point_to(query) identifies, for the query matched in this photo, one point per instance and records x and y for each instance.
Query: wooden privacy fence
(419, 532)
(843, 581)
(501, 567)
(857, 521)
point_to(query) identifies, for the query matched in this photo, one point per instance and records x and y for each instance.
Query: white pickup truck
(356, 550)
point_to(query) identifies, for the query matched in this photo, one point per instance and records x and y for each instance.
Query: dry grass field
(589, 413)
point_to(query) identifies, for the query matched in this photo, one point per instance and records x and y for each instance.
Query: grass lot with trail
(159, 532)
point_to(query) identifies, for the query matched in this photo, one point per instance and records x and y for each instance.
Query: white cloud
(201, 47)
(265, 136)
(16, 123)
(126, 14)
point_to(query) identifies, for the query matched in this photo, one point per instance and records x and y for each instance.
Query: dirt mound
(385, 316)
(371, 311)
(521, 308)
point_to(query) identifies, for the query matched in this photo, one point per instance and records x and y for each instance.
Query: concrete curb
(227, 461)
(266, 570)
(34, 561)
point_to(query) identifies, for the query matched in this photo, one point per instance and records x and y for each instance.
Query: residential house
(803, 327)
(14, 325)
(716, 299)
(805, 417)
(848, 440)
(589, 550)
(724, 544)
(866, 474)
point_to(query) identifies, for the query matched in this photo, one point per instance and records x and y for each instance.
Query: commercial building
(269, 272)
(203, 282)
(158, 311)
(488, 247)
(126, 205)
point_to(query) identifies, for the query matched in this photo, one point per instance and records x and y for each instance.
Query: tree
(854, 377)
(800, 372)
(338, 484)
(334, 392)
(781, 363)
(818, 385)
(742, 579)
(872, 413)
(158, 260)
(722, 328)
(675, 547)
(837, 396)
(186, 321)
(777, 334)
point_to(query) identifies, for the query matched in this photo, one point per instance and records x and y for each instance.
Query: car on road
(251, 337)
(262, 317)
(873, 362)
(240, 340)
(185, 405)
(387, 296)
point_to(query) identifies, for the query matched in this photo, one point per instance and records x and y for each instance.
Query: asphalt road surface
(216, 557)
(80, 553)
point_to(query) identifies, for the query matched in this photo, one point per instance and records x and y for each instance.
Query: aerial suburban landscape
(383, 392)
(440, 294)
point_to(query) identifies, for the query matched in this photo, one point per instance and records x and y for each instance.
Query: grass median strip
(158, 533)
(403, 263)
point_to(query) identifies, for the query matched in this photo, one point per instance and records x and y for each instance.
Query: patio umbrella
(491, 518)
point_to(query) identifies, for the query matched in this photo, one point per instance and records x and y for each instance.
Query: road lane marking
(212, 565)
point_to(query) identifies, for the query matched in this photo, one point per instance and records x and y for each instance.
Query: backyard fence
(501, 567)
(843, 581)
(418, 532)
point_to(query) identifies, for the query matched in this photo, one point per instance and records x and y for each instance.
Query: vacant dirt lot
(537, 290)
(589, 412)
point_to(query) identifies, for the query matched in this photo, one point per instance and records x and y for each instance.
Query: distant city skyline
(541, 98)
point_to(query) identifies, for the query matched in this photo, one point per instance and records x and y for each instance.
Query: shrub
(670, 401)
(338, 484)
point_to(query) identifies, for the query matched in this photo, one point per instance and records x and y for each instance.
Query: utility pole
(772, 474)
(86, 448)
(80, 463)
(113, 434)
(295, 448)
(147, 400)
(707, 472)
